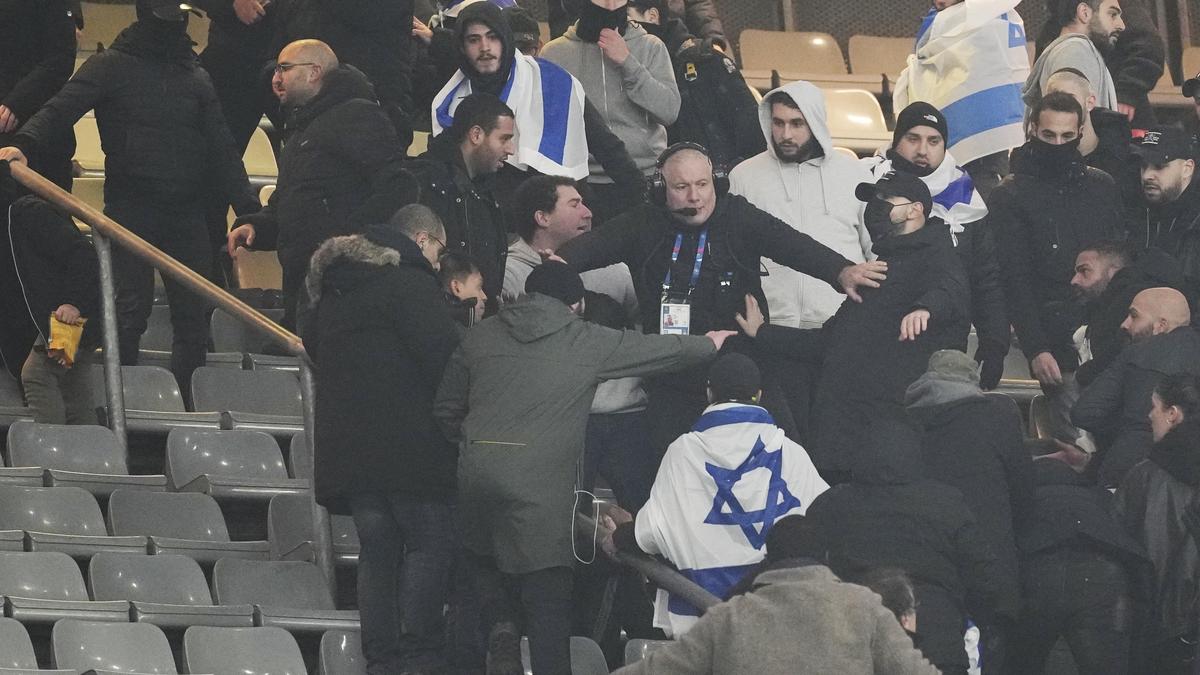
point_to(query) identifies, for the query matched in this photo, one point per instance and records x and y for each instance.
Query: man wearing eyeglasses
(339, 167)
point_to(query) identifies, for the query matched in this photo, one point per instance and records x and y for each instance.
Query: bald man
(1115, 406)
(339, 169)
(1104, 143)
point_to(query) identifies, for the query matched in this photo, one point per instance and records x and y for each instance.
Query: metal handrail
(105, 231)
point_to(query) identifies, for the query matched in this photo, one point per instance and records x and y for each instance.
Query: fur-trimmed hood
(343, 263)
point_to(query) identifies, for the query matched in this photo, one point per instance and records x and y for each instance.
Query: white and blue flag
(718, 491)
(971, 61)
(548, 104)
(955, 199)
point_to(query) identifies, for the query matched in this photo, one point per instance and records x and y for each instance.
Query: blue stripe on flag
(1016, 33)
(739, 415)
(715, 580)
(557, 89)
(445, 119)
(957, 192)
(983, 111)
(925, 24)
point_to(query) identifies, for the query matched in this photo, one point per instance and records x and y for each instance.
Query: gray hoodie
(1071, 51)
(637, 99)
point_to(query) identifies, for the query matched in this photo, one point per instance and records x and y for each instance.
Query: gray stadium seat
(231, 335)
(586, 657)
(289, 529)
(65, 519)
(241, 651)
(189, 524)
(46, 587)
(81, 456)
(159, 334)
(636, 650)
(12, 401)
(290, 595)
(341, 654)
(153, 403)
(16, 651)
(267, 400)
(288, 364)
(104, 647)
(237, 465)
(168, 591)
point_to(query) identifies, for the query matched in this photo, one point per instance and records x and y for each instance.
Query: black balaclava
(1054, 160)
(156, 38)
(593, 19)
(490, 15)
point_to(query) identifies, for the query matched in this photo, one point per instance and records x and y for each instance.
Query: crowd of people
(612, 266)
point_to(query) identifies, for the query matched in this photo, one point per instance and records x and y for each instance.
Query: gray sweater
(798, 621)
(638, 99)
(1071, 51)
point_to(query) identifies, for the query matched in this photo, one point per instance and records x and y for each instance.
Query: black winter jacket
(976, 248)
(699, 15)
(1041, 222)
(1174, 228)
(333, 182)
(1137, 60)
(1150, 503)
(234, 40)
(866, 367)
(473, 220)
(380, 337)
(46, 262)
(164, 138)
(1117, 402)
(1113, 154)
(739, 235)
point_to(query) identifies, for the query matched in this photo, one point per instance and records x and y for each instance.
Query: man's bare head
(688, 178)
(1155, 311)
(1073, 82)
(300, 71)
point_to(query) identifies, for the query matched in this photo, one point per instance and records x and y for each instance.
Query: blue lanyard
(700, 246)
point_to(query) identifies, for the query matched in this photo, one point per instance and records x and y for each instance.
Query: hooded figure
(815, 197)
(890, 515)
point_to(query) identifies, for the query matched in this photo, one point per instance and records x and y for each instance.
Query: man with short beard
(1169, 215)
(1088, 30)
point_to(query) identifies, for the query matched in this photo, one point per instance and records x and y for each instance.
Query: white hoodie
(815, 197)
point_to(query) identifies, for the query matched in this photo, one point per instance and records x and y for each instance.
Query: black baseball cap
(1191, 88)
(523, 25)
(896, 184)
(1164, 144)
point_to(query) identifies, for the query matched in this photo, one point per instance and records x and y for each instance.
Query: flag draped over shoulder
(955, 199)
(548, 104)
(970, 61)
(718, 491)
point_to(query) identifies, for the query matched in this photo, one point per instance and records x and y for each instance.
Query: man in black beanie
(516, 397)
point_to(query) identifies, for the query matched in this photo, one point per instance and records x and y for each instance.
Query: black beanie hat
(557, 280)
(920, 114)
(734, 377)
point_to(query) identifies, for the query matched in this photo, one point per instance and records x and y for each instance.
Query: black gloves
(990, 356)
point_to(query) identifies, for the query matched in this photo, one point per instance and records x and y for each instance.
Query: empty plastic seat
(26, 476)
(12, 401)
(111, 648)
(290, 595)
(65, 519)
(636, 650)
(235, 464)
(82, 456)
(46, 587)
(586, 656)
(1039, 417)
(341, 654)
(791, 51)
(870, 55)
(257, 269)
(166, 590)
(189, 524)
(16, 651)
(89, 190)
(265, 400)
(153, 402)
(856, 120)
(102, 23)
(87, 142)
(289, 529)
(260, 156)
(159, 332)
(231, 335)
(241, 651)
(288, 364)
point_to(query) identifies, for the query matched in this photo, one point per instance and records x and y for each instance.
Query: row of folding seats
(259, 158)
(91, 646)
(817, 57)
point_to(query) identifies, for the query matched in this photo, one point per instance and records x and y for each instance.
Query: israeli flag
(955, 199)
(970, 61)
(548, 104)
(718, 491)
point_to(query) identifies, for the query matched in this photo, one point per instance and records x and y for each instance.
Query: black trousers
(180, 233)
(539, 602)
(1079, 595)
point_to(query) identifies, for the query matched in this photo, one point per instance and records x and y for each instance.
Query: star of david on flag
(728, 510)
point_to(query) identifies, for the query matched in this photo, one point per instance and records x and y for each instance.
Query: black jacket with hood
(1113, 154)
(1151, 503)
(700, 17)
(1174, 228)
(331, 181)
(1116, 403)
(380, 336)
(1042, 219)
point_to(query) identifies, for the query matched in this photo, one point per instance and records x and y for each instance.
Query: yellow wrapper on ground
(64, 339)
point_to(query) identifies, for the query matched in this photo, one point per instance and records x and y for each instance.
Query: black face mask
(878, 219)
(905, 166)
(1054, 159)
(593, 19)
(657, 30)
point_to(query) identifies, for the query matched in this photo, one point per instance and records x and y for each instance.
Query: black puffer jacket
(331, 181)
(164, 138)
(1150, 503)
(474, 223)
(1041, 221)
(1113, 154)
(380, 336)
(234, 40)
(1116, 403)
(1136, 62)
(1174, 228)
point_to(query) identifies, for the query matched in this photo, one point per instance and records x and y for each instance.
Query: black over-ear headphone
(656, 186)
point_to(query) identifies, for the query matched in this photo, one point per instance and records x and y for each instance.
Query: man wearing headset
(695, 252)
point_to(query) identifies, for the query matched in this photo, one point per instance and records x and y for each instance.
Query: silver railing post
(322, 536)
(112, 349)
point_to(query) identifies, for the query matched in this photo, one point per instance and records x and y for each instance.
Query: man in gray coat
(516, 396)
